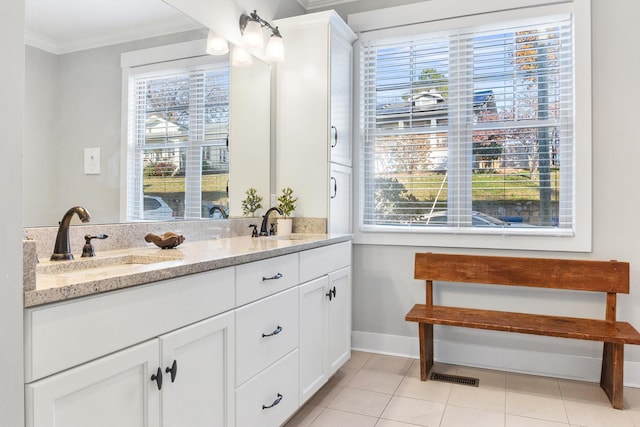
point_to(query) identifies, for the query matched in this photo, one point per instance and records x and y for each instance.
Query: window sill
(521, 239)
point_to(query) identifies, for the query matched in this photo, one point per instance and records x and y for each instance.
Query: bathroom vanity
(227, 332)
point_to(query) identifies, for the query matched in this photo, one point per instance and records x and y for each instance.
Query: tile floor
(386, 391)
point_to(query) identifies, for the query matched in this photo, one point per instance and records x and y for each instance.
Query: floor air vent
(455, 379)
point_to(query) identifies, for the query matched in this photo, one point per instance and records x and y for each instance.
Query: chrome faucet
(62, 249)
(264, 228)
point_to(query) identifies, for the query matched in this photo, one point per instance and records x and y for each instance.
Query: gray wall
(11, 122)
(382, 275)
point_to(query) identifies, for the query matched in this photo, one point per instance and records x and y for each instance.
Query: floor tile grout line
(409, 373)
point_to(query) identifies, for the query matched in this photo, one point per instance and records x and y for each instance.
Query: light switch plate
(92, 161)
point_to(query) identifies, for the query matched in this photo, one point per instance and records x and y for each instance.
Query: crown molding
(316, 4)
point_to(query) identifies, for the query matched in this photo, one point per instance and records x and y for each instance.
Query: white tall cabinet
(314, 104)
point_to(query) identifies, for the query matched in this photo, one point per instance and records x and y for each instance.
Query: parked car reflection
(156, 208)
(478, 219)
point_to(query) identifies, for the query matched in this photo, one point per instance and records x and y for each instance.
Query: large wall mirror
(74, 101)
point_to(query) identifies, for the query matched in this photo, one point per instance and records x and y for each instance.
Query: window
(178, 127)
(471, 128)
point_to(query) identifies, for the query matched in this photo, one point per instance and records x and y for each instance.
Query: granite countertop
(118, 269)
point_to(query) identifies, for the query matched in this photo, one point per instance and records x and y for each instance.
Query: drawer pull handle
(275, 402)
(173, 370)
(335, 187)
(331, 291)
(276, 277)
(275, 332)
(335, 137)
(157, 377)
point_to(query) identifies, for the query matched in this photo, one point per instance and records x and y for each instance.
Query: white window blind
(178, 157)
(470, 129)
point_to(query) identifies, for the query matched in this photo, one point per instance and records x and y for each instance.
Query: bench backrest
(603, 276)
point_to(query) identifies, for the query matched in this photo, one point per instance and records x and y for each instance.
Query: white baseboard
(543, 363)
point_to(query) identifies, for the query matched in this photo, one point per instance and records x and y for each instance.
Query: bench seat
(536, 324)
(609, 277)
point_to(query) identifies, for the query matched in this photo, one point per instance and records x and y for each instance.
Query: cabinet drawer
(263, 278)
(59, 336)
(320, 261)
(271, 397)
(266, 330)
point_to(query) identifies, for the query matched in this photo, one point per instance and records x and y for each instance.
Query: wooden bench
(611, 277)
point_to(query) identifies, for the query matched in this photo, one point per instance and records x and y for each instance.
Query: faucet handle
(87, 249)
(254, 232)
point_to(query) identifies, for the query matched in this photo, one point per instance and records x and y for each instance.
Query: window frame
(162, 60)
(439, 16)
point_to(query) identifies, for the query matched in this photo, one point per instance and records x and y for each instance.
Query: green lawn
(488, 186)
(175, 184)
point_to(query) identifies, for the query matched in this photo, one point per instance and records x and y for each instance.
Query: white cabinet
(340, 52)
(198, 368)
(115, 390)
(239, 346)
(340, 200)
(271, 397)
(313, 102)
(325, 315)
(267, 330)
(189, 370)
(313, 336)
(339, 319)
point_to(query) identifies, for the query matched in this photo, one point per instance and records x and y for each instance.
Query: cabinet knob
(335, 136)
(332, 293)
(275, 332)
(275, 402)
(173, 370)
(157, 377)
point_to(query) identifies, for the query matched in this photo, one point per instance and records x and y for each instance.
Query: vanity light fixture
(240, 57)
(274, 51)
(216, 45)
(251, 28)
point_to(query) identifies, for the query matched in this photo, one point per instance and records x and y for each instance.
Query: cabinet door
(339, 319)
(115, 390)
(201, 360)
(340, 143)
(340, 199)
(313, 336)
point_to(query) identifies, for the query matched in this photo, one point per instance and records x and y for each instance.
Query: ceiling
(314, 4)
(62, 26)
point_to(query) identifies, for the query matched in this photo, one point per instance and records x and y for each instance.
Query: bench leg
(611, 376)
(425, 333)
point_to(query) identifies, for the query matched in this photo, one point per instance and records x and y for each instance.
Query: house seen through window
(470, 128)
(178, 155)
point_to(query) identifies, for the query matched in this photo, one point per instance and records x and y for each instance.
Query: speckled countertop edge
(189, 258)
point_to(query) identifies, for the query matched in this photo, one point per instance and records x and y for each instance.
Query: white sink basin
(111, 262)
(295, 236)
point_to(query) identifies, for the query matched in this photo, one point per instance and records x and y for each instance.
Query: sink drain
(455, 379)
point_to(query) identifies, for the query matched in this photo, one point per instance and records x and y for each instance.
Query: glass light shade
(252, 36)
(240, 57)
(274, 51)
(216, 45)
